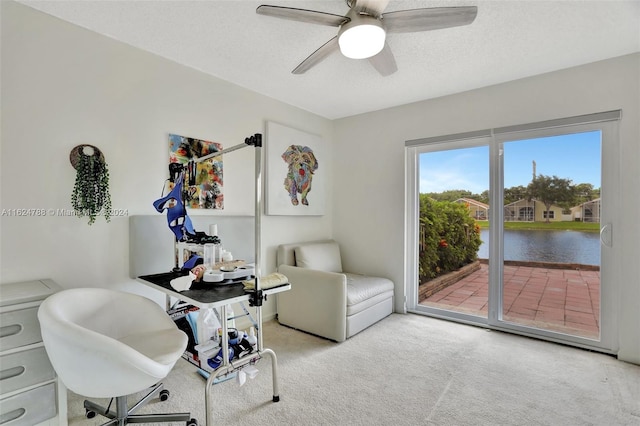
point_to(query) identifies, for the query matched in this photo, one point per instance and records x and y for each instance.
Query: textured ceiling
(507, 41)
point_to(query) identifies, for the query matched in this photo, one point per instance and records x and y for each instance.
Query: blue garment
(177, 218)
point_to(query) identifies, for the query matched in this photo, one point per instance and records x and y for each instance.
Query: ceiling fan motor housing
(362, 37)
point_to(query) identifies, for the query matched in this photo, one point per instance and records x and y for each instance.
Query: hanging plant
(91, 191)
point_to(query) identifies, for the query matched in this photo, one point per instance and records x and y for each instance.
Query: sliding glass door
(555, 278)
(541, 199)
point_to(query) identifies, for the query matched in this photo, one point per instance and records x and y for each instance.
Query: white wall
(368, 213)
(63, 86)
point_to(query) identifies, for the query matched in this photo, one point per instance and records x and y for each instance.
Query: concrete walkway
(566, 301)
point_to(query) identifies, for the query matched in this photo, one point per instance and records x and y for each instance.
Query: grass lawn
(551, 226)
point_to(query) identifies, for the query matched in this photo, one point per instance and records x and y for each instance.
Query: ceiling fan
(362, 31)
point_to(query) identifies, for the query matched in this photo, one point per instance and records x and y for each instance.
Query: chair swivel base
(124, 415)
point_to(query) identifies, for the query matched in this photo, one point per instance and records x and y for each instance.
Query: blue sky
(575, 156)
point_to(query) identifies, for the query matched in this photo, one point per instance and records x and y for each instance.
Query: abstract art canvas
(295, 172)
(203, 181)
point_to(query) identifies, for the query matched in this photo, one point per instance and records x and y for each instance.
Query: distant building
(587, 212)
(477, 210)
(533, 211)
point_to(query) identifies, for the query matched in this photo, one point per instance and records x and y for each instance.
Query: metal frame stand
(256, 297)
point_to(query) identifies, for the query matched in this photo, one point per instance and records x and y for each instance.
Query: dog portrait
(295, 172)
(301, 164)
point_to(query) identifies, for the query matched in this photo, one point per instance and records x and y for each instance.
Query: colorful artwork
(203, 181)
(295, 173)
(301, 164)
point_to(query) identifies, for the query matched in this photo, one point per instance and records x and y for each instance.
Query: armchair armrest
(316, 303)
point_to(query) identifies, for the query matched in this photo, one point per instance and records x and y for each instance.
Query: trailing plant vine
(90, 193)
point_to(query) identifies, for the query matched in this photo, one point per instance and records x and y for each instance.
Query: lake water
(547, 246)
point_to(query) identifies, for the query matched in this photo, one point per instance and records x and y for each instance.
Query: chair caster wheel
(90, 414)
(164, 395)
(192, 422)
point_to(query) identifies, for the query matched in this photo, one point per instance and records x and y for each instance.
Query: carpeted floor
(413, 370)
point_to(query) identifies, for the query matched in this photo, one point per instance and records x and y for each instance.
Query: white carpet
(413, 370)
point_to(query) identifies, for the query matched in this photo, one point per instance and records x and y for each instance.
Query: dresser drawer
(25, 368)
(30, 407)
(19, 328)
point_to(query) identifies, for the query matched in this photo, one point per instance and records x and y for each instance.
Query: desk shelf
(218, 297)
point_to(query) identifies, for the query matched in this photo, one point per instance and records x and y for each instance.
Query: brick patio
(562, 300)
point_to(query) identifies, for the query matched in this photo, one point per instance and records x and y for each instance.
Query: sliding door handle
(606, 235)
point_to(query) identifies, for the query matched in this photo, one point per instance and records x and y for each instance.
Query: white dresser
(30, 393)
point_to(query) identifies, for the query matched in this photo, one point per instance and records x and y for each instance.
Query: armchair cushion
(364, 291)
(322, 257)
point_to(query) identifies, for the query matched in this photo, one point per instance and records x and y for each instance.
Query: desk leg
(226, 369)
(274, 373)
(225, 366)
(207, 398)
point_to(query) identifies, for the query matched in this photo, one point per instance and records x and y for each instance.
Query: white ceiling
(507, 41)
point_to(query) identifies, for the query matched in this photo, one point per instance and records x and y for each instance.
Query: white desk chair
(110, 344)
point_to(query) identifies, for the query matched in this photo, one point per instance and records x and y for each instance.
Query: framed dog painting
(295, 172)
(203, 190)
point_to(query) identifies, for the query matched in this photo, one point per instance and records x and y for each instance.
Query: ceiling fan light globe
(361, 41)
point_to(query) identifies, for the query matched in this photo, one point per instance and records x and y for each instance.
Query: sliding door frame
(412, 152)
(607, 123)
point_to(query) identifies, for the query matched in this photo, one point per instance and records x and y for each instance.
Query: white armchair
(325, 300)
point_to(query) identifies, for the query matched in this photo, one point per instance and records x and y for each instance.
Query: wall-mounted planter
(90, 195)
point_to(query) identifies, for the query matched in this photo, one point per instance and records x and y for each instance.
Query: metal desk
(219, 296)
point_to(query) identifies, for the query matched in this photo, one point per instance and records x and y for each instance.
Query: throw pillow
(321, 256)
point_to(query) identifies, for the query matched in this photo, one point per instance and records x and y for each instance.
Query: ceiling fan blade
(370, 7)
(318, 56)
(384, 62)
(406, 21)
(302, 15)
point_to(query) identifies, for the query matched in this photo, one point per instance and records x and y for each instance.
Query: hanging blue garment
(177, 218)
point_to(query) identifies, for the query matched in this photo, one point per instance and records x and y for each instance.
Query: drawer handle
(11, 372)
(12, 415)
(10, 330)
